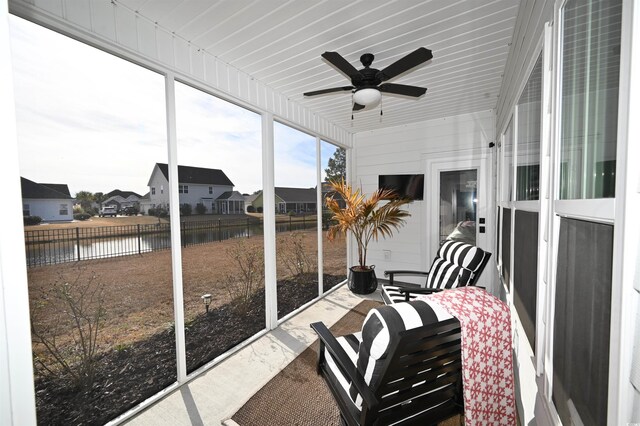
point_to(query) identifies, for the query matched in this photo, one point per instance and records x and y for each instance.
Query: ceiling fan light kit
(368, 83)
(367, 97)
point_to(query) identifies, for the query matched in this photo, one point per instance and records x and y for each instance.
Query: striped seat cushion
(391, 294)
(368, 349)
(444, 274)
(350, 343)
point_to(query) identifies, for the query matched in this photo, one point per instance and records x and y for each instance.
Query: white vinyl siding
(50, 210)
(405, 150)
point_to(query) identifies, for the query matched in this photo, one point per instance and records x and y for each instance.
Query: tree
(337, 167)
(85, 198)
(99, 197)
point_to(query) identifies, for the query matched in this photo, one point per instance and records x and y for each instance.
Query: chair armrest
(415, 290)
(419, 290)
(344, 363)
(419, 273)
(391, 274)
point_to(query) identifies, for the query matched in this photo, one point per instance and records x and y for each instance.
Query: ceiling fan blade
(331, 90)
(413, 59)
(357, 107)
(341, 63)
(402, 89)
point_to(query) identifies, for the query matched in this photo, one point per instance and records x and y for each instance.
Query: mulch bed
(128, 375)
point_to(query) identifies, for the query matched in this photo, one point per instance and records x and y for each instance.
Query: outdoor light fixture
(207, 301)
(367, 97)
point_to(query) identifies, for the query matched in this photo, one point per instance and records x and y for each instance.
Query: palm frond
(363, 216)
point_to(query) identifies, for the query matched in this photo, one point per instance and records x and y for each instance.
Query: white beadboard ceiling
(279, 43)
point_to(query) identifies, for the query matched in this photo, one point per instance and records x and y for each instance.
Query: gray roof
(188, 174)
(292, 195)
(123, 194)
(251, 198)
(31, 189)
(229, 194)
(60, 187)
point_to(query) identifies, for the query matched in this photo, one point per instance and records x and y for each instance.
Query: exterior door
(457, 197)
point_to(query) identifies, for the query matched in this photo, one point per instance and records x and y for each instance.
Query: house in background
(249, 207)
(327, 191)
(230, 202)
(144, 204)
(196, 185)
(50, 201)
(122, 199)
(296, 200)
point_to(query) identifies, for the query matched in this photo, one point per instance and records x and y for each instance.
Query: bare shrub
(70, 337)
(293, 255)
(249, 274)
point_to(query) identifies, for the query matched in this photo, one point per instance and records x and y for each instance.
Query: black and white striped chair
(456, 264)
(404, 367)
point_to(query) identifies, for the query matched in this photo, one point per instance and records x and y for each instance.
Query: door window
(458, 205)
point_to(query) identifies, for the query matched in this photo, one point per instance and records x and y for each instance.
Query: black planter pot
(362, 282)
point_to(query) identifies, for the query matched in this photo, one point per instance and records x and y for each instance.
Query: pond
(86, 247)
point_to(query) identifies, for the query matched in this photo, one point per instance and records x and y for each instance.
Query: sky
(97, 122)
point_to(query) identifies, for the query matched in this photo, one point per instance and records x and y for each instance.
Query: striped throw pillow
(444, 274)
(462, 254)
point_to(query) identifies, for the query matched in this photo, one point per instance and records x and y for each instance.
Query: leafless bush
(293, 255)
(249, 274)
(70, 337)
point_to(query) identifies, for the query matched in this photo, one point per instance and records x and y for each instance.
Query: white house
(50, 201)
(196, 185)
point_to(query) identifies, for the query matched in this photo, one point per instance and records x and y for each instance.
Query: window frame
(532, 206)
(599, 210)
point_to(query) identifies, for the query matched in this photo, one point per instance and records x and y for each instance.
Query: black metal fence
(53, 246)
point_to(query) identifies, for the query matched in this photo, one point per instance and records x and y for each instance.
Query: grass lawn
(136, 340)
(138, 292)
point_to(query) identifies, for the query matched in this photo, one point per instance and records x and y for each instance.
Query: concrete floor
(217, 394)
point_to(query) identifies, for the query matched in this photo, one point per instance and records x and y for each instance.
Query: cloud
(97, 122)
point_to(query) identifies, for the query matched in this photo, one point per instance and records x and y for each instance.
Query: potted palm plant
(367, 219)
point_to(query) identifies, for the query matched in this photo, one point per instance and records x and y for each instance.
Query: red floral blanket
(487, 362)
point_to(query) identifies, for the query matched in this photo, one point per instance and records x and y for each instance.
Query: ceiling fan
(367, 83)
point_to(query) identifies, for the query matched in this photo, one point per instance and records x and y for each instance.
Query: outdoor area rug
(298, 395)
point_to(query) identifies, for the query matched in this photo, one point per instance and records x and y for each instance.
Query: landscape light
(207, 301)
